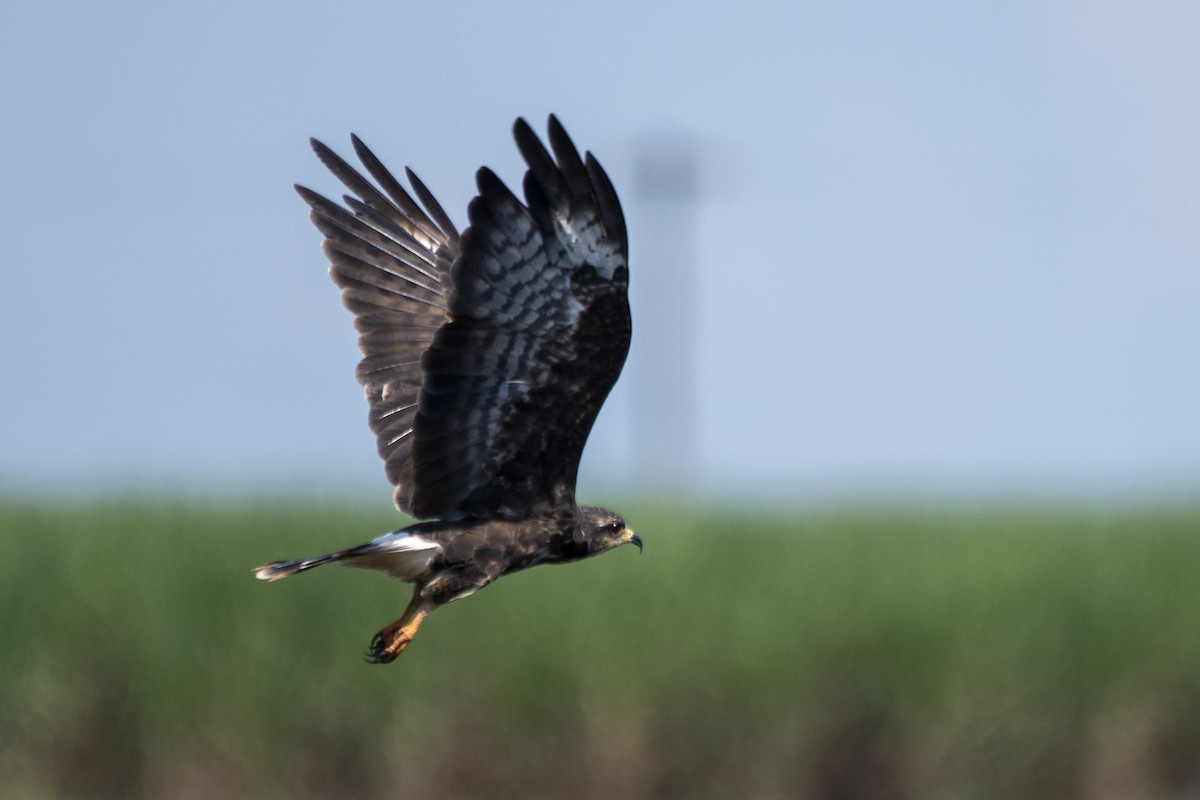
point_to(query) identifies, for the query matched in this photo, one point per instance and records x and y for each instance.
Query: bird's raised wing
(392, 261)
(523, 324)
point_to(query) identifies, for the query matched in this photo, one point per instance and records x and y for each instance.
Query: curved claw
(395, 638)
(377, 652)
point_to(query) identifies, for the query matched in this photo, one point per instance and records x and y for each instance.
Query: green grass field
(872, 654)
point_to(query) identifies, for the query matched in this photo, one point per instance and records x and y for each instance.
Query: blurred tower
(665, 288)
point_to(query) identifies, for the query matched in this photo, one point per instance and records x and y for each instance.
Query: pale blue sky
(943, 248)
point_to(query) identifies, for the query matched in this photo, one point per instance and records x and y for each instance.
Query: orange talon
(392, 640)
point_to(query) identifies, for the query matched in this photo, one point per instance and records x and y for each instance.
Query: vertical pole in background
(665, 285)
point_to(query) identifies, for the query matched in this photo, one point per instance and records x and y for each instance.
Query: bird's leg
(391, 641)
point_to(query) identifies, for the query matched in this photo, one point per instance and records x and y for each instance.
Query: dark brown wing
(538, 335)
(392, 262)
(521, 354)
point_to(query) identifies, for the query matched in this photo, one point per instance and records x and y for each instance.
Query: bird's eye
(616, 526)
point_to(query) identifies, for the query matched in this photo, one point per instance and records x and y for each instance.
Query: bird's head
(603, 530)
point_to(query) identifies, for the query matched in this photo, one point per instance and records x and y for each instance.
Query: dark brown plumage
(486, 358)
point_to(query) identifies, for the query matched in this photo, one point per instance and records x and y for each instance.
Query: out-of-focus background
(909, 422)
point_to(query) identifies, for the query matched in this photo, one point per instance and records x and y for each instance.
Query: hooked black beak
(635, 539)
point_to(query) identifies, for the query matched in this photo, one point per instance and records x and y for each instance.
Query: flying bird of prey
(486, 358)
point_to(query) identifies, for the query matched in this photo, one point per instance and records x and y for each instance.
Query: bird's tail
(401, 554)
(277, 570)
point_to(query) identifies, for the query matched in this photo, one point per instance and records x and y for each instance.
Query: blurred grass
(877, 653)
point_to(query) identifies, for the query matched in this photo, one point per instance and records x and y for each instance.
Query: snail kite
(486, 357)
